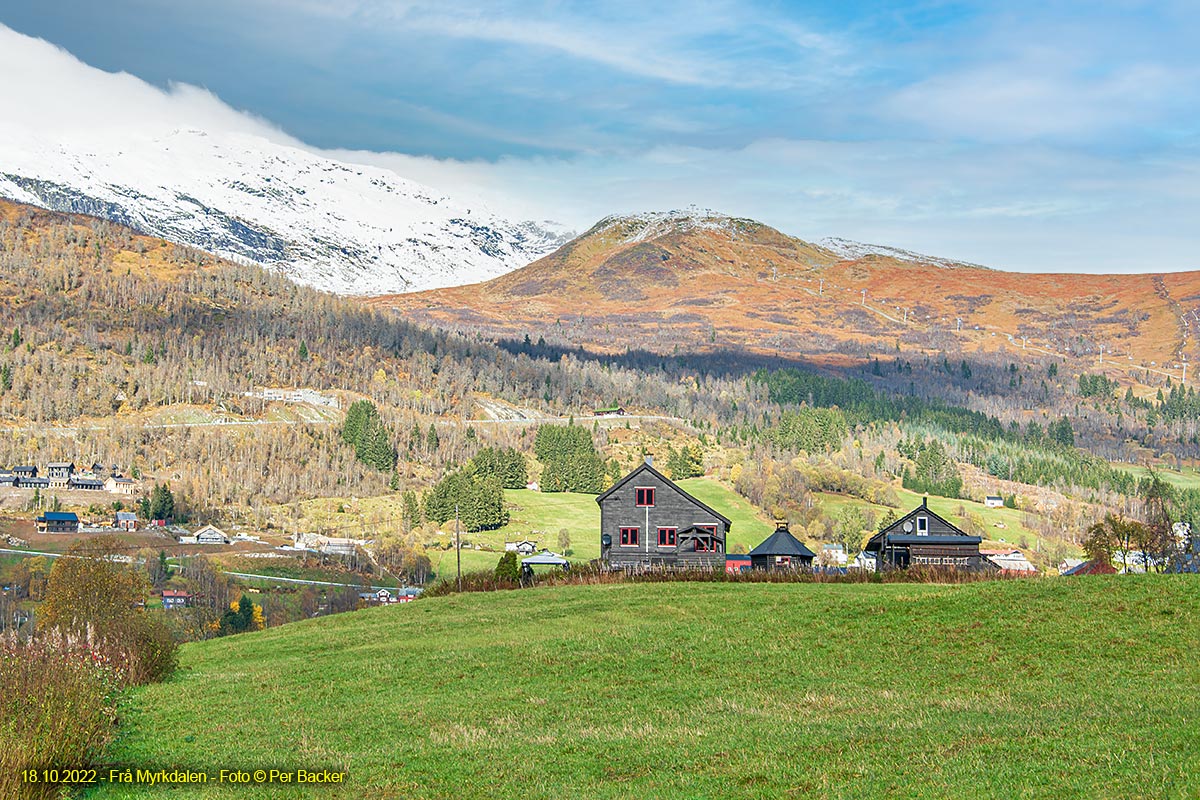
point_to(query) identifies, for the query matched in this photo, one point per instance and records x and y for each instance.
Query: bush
(95, 597)
(57, 708)
(508, 569)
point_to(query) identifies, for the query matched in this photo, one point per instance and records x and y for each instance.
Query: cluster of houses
(65, 475)
(648, 522)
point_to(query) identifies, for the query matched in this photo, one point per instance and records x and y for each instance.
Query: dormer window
(645, 496)
(922, 526)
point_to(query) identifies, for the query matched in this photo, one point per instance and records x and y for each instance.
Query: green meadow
(1054, 688)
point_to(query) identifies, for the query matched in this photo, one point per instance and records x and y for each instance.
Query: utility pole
(864, 294)
(457, 548)
(906, 316)
(821, 290)
(959, 321)
(1102, 355)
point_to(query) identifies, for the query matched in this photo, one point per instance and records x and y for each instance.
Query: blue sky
(1025, 135)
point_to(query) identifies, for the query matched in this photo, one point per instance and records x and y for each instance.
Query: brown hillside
(677, 281)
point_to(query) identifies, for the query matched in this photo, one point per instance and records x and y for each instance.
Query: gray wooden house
(922, 538)
(646, 522)
(782, 550)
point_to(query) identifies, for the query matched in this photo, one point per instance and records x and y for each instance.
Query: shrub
(508, 569)
(94, 596)
(57, 708)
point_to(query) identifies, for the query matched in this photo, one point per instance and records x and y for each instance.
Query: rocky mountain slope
(699, 279)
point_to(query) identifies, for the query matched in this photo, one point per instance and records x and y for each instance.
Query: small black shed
(781, 550)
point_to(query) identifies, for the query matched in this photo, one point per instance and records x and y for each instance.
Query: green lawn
(1055, 688)
(1188, 478)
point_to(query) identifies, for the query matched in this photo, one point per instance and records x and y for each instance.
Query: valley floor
(1036, 688)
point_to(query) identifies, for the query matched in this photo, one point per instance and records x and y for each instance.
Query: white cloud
(59, 95)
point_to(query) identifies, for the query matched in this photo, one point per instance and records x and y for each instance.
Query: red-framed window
(667, 537)
(629, 537)
(645, 496)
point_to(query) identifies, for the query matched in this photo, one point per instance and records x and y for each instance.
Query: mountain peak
(646, 225)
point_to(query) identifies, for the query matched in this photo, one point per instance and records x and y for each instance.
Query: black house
(781, 550)
(923, 538)
(25, 472)
(646, 521)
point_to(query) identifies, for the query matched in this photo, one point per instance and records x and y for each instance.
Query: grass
(1057, 688)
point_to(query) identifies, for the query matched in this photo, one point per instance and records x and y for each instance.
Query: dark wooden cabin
(782, 550)
(922, 538)
(647, 522)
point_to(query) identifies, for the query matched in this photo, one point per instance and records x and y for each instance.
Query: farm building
(993, 501)
(126, 521)
(782, 550)
(1091, 568)
(118, 485)
(833, 554)
(1010, 562)
(174, 598)
(523, 547)
(58, 522)
(922, 538)
(84, 483)
(863, 561)
(59, 473)
(210, 534)
(25, 472)
(7, 478)
(646, 521)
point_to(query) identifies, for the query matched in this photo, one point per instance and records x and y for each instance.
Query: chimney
(925, 501)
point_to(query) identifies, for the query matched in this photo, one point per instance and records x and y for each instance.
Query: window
(645, 496)
(922, 526)
(708, 543)
(666, 537)
(629, 537)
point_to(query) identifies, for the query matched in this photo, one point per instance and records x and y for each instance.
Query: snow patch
(852, 251)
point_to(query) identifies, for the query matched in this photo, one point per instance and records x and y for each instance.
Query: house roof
(647, 468)
(782, 543)
(875, 543)
(117, 479)
(54, 464)
(1092, 568)
(545, 557)
(738, 557)
(60, 516)
(914, 538)
(175, 593)
(126, 516)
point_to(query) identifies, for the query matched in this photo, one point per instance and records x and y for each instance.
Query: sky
(1035, 136)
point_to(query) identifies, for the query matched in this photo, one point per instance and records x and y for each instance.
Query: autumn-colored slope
(665, 281)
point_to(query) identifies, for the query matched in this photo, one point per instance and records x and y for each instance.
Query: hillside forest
(131, 351)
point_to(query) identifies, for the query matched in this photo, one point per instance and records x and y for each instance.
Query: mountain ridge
(701, 279)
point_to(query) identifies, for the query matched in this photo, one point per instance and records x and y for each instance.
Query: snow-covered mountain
(852, 250)
(346, 228)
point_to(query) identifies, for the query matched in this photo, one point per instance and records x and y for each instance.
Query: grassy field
(1056, 688)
